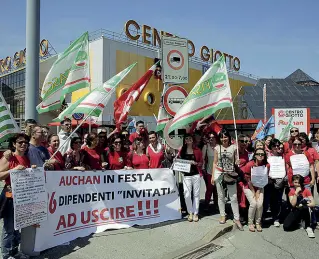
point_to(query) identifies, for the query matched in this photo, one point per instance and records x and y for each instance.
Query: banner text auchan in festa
(81, 203)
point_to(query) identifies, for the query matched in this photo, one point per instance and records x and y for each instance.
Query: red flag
(123, 104)
(206, 125)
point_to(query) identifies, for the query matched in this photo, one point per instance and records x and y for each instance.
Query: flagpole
(265, 103)
(235, 127)
(87, 116)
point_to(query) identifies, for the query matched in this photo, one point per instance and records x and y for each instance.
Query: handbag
(228, 178)
(6, 202)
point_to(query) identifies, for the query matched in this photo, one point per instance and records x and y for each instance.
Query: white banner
(259, 176)
(300, 165)
(182, 165)
(30, 198)
(81, 203)
(277, 167)
(301, 119)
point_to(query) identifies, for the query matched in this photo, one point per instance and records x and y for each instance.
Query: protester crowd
(228, 168)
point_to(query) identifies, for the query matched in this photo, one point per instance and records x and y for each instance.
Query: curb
(201, 247)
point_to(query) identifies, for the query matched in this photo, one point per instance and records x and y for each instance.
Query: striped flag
(123, 104)
(211, 93)
(8, 125)
(94, 102)
(284, 134)
(70, 72)
(163, 117)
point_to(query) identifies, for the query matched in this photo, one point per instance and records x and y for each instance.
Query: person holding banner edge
(10, 238)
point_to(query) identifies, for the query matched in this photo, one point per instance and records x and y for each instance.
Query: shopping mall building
(111, 52)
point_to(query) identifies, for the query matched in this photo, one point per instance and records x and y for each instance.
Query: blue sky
(271, 38)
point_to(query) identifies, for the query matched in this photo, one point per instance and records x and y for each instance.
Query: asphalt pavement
(271, 243)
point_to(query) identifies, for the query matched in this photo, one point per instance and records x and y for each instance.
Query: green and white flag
(8, 125)
(95, 101)
(70, 72)
(284, 135)
(163, 117)
(211, 93)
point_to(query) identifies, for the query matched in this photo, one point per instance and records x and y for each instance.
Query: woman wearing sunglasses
(299, 162)
(74, 157)
(277, 179)
(294, 133)
(117, 157)
(254, 191)
(18, 144)
(224, 162)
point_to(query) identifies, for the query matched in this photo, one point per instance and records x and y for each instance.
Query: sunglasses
(260, 154)
(243, 141)
(124, 134)
(297, 144)
(22, 142)
(277, 146)
(67, 125)
(117, 142)
(292, 131)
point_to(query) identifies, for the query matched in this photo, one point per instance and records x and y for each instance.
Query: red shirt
(14, 162)
(92, 158)
(156, 158)
(60, 160)
(247, 170)
(312, 152)
(244, 158)
(133, 136)
(117, 160)
(305, 193)
(289, 167)
(139, 162)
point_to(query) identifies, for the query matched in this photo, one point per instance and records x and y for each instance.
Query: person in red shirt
(74, 157)
(306, 146)
(102, 143)
(294, 133)
(241, 162)
(301, 200)
(116, 155)
(139, 131)
(295, 167)
(57, 160)
(155, 150)
(255, 195)
(95, 160)
(18, 144)
(137, 158)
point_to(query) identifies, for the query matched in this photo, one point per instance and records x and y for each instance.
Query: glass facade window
(13, 90)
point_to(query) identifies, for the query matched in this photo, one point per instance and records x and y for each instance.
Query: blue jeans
(10, 238)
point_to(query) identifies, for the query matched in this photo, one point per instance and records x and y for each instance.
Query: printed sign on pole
(174, 97)
(301, 119)
(174, 60)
